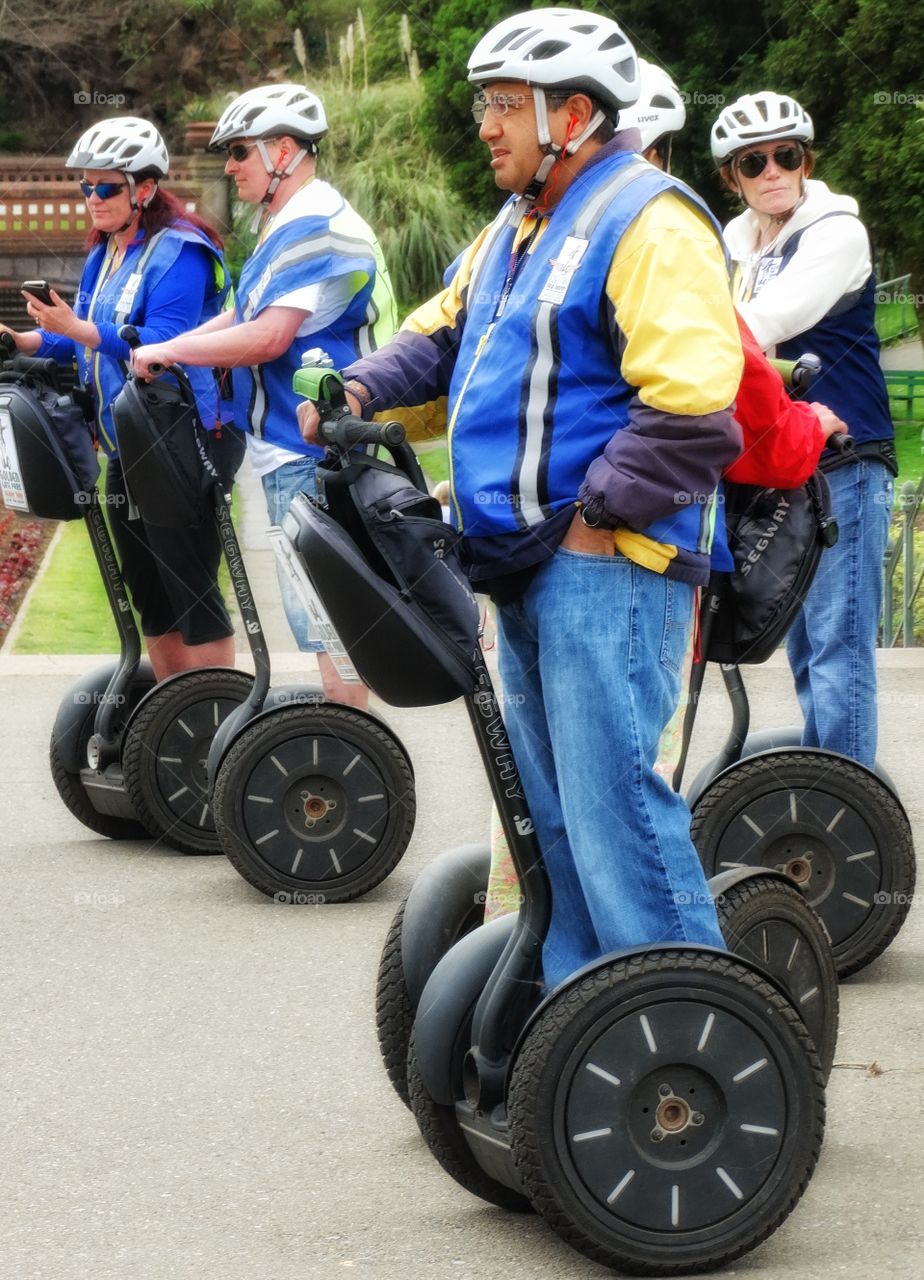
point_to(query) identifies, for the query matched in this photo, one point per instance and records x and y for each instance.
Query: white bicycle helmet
(660, 109)
(759, 117)
(560, 48)
(125, 143)
(269, 112)
(566, 49)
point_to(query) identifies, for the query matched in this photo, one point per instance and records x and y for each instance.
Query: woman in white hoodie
(804, 281)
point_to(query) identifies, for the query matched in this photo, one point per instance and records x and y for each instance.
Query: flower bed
(22, 547)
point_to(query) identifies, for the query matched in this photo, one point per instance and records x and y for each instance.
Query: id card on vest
(563, 269)
(767, 269)
(127, 297)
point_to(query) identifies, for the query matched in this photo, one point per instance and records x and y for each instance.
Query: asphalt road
(190, 1079)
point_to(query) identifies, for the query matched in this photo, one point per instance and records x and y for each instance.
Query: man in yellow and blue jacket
(588, 354)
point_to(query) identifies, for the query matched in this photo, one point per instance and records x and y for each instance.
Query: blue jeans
(280, 487)
(832, 644)
(590, 659)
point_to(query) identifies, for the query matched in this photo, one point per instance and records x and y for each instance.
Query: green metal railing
(898, 614)
(895, 314)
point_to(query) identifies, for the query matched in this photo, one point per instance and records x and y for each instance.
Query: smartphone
(39, 289)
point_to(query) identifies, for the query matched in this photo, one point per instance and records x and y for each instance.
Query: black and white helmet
(561, 48)
(271, 111)
(660, 109)
(759, 117)
(126, 143)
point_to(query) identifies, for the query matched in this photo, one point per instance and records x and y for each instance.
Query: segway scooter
(834, 828)
(126, 758)
(312, 802)
(663, 1108)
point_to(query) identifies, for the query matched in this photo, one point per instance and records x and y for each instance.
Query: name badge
(127, 296)
(563, 269)
(768, 269)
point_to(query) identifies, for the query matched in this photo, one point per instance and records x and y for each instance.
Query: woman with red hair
(154, 265)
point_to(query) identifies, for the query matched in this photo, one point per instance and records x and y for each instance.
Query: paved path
(191, 1086)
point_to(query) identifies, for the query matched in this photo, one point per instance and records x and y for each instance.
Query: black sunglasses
(104, 190)
(753, 163)
(239, 151)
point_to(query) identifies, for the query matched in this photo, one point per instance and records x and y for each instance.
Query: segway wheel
(666, 1112)
(454, 884)
(446, 1141)
(165, 755)
(832, 826)
(314, 804)
(78, 803)
(770, 922)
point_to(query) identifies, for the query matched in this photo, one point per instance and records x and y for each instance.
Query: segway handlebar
(320, 383)
(840, 442)
(128, 333)
(799, 374)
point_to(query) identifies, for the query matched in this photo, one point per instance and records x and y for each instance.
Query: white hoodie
(832, 259)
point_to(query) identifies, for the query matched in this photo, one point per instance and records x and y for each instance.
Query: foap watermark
(93, 898)
(98, 698)
(697, 99)
(683, 498)
(94, 98)
(297, 899)
(494, 498)
(888, 98)
(882, 898)
(511, 899)
(85, 499)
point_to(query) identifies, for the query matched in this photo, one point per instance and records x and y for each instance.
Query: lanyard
(517, 258)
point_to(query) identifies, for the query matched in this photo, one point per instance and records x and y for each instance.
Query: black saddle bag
(401, 534)
(776, 538)
(47, 456)
(165, 453)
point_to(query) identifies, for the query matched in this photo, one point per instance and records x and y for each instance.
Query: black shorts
(171, 574)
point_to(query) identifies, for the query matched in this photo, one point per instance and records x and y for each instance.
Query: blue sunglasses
(104, 190)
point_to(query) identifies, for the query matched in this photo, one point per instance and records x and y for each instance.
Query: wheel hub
(799, 870)
(674, 1115)
(316, 807)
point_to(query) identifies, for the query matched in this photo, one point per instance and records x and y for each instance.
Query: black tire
(833, 826)
(455, 885)
(614, 1059)
(768, 921)
(288, 821)
(446, 1141)
(72, 791)
(394, 1012)
(165, 755)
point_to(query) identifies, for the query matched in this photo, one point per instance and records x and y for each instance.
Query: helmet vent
(516, 38)
(613, 42)
(548, 49)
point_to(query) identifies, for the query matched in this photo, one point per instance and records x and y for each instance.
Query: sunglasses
(239, 151)
(103, 190)
(753, 163)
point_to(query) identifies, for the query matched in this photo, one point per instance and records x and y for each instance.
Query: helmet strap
(276, 175)
(136, 208)
(552, 152)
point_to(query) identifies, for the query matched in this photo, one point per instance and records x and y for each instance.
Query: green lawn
(435, 463)
(895, 320)
(68, 611)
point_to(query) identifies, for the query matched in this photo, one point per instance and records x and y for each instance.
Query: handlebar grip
(840, 442)
(8, 343)
(128, 333)
(346, 432)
